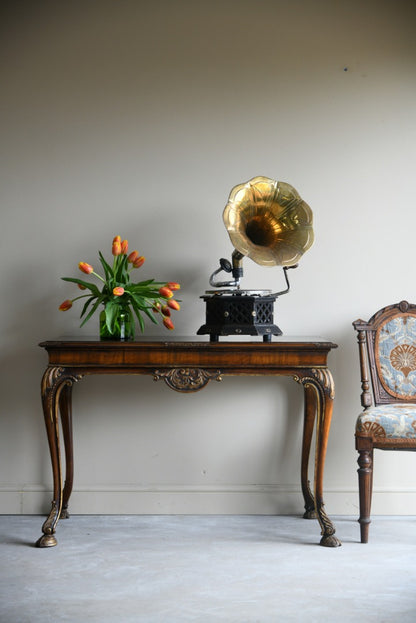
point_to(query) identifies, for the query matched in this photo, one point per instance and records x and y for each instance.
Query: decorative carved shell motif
(403, 358)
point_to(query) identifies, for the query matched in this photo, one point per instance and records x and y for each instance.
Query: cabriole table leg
(56, 383)
(320, 381)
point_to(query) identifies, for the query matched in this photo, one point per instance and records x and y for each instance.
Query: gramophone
(268, 222)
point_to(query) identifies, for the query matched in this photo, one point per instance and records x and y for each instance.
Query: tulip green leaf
(93, 309)
(85, 284)
(107, 268)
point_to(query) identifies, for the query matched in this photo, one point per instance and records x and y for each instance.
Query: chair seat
(393, 421)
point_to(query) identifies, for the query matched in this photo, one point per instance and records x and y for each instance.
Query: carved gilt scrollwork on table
(319, 377)
(187, 380)
(54, 378)
(55, 375)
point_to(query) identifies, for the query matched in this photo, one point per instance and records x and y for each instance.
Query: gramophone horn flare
(269, 222)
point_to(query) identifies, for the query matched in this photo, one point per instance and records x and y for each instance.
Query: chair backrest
(387, 345)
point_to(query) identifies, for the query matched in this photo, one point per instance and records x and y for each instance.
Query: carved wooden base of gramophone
(239, 313)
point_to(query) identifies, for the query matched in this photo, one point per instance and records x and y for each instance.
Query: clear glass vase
(123, 327)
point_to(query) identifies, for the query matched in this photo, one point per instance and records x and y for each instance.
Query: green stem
(115, 263)
(82, 296)
(99, 277)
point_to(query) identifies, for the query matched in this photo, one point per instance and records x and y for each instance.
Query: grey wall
(137, 118)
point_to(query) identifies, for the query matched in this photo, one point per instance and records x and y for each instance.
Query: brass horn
(268, 222)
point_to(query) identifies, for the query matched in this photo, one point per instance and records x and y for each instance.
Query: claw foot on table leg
(48, 538)
(330, 540)
(310, 513)
(327, 529)
(64, 513)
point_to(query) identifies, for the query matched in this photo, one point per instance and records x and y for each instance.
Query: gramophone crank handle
(285, 269)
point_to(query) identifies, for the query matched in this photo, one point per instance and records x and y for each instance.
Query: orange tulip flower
(165, 292)
(172, 285)
(86, 268)
(168, 323)
(133, 256)
(165, 310)
(174, 304)
(116, 248)
(124, 247)
(139, 261)
(65, 305)
(118, 291)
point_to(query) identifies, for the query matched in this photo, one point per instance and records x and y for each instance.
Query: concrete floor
(236, 569)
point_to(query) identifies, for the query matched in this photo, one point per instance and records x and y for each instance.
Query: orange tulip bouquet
(123, 300)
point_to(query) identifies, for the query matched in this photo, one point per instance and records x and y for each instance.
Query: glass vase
(123, 327)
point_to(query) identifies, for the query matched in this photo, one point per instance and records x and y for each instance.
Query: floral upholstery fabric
(393, 421)
(396, 361)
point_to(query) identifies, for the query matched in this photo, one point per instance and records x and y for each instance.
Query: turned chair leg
(365, 487)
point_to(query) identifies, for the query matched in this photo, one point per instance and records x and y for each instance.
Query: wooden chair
(387, 346)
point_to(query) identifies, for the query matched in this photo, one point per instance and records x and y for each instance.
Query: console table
(187, 366)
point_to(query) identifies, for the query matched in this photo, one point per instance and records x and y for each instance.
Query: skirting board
(190, 500)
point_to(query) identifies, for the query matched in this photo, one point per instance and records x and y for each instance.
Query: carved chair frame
(375, 391)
